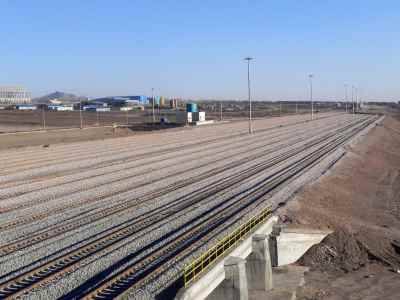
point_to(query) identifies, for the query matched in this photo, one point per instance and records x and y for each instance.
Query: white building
(14, 95)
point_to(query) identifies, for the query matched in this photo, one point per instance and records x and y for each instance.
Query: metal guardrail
(200, 264)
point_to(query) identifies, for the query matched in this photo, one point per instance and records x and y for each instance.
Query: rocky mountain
(59, 97)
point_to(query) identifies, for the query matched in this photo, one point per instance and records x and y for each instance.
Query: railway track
(65, 157)
(213, 171)
(126, 166)
(46, 272)
(137, 274)
(54, 231)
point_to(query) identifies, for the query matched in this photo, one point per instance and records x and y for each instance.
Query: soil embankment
(360, 200)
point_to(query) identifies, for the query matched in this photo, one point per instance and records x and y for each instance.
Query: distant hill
(58, 96)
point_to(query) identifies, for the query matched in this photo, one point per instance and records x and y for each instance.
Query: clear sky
(195, 49)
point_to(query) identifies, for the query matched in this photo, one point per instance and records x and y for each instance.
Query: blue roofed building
(122, 100)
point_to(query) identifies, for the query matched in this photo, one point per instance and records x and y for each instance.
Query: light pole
(248, 59)
(355, 100)
(310, 77)
(44, 117)
(345, 96)
(352, 98)
(152, 101)
(80, 113)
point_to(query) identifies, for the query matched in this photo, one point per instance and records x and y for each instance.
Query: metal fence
(206, 260)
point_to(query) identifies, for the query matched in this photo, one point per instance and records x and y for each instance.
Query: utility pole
(153, 100)
(345, 96)
(356, 100)
(97, 117)
(43, 117)
(311, 95)
(248, 59)
(352, 98)
(220, 111)
(296, 108)
(80, 113)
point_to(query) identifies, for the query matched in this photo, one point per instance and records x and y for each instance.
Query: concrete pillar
(273, 244)
(258, 264)
(234, 286)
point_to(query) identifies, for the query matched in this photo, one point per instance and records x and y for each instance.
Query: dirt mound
(338, 251)
(360, 200)
(343, 251)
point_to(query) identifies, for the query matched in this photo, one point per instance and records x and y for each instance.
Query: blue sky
(195, 48)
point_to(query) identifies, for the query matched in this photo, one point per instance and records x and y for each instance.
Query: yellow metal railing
(193, 270)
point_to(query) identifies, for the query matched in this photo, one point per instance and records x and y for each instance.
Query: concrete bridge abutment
(250, 266)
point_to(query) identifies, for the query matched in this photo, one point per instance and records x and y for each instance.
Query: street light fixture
(310, 77)
(248, 59)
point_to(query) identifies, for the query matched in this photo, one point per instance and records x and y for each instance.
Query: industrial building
(14, 95)
(122, 100)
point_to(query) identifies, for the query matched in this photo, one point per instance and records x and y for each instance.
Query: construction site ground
(359, 199)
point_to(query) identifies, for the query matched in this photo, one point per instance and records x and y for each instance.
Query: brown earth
(56, 136)
(360, 200)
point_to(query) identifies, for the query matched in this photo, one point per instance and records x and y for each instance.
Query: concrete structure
(209, 281)
(250, 265)
(259, 266)
(14, 95)
(294, 242)
(286, 281)
(234, 286)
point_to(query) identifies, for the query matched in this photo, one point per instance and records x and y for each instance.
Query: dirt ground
(51, 137)
(359, 198)
(16, 121)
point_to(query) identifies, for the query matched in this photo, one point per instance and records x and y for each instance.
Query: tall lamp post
(352, 98)
(345, 95)
(152, 101)
(43, 117)
(310, 77)
(356, 100)
(248, 59)
(80, 113)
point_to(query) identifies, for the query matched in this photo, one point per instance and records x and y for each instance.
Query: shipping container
(26, 107)
(103, 109)
(183, 117)
(199, 116)
(191, 107)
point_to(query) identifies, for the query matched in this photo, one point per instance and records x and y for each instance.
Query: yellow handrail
(192, 271)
